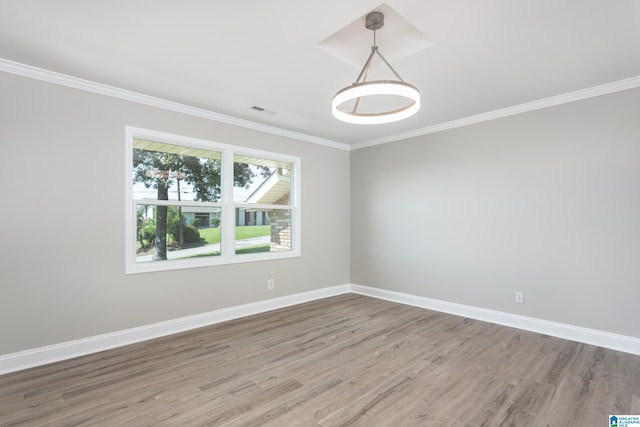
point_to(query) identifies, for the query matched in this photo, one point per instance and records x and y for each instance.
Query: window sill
(133, 267)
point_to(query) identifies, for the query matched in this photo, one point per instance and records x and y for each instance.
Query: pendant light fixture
(363, 88)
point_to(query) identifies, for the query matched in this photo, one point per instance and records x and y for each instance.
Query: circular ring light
(373, 88)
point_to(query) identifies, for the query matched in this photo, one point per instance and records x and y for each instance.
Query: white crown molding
(605, 89)
(609, 340)
(127, 95)
(54, 353)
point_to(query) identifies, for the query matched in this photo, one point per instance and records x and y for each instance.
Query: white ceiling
(227, 56)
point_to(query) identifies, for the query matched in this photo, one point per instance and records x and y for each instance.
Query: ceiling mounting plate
(374, 21)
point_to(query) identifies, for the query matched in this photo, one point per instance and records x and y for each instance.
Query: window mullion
(152, 202)
(262, 206)
(228, 230)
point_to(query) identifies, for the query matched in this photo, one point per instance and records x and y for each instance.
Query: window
(194, 203)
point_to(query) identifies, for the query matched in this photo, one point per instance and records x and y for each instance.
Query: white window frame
(226, 204)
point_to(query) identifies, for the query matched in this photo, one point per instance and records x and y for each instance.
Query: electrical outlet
(271, 283)
(520, 297)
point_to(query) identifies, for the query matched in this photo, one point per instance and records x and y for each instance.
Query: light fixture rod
(374, 49)
(365, 70)
(389, 65)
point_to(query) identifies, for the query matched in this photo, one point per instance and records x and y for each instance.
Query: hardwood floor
(343, 361)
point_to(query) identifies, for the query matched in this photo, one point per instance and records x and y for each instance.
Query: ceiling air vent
(263, 110)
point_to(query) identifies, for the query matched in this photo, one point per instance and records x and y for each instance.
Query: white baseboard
(67, 350)
(609, 340)
(53, 353)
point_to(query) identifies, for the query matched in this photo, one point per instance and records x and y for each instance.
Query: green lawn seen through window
(212, 235)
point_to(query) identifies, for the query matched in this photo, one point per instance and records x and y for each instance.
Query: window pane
(173, 172)
(261, 181)
(161, 235)
(260, 230)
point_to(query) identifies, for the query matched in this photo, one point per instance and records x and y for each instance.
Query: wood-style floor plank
(343, 361)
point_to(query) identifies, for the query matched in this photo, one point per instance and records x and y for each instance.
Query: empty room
(336, 213)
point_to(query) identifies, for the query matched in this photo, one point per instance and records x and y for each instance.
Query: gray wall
(61, 253)
(546, 202)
